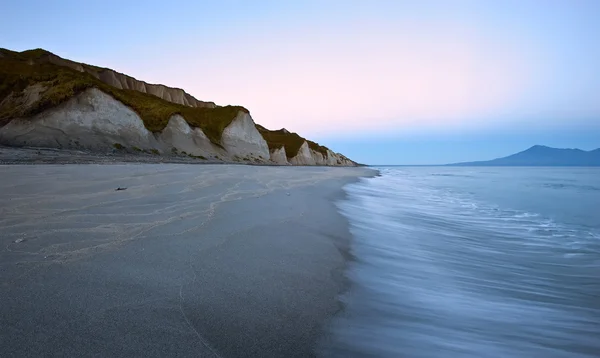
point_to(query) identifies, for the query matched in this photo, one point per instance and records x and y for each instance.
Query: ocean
(472, 262)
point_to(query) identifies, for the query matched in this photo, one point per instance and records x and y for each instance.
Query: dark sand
(30, 155)
(189, 261)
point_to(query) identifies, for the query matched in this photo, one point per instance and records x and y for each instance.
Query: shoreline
(161, 268)
(35, 155)
(324, 343)
(38, 155)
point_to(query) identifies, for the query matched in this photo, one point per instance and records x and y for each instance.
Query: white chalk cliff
(278, 156)
(94, 119)
(304, 156)
(91, 120)
(179, 135)
(307, 156)
(242, 139)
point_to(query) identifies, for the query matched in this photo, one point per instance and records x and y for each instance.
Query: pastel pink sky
(391, 76)
(340, 71)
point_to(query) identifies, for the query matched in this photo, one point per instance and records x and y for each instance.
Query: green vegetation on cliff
(317, 147)
(290, 141)
(57, 84)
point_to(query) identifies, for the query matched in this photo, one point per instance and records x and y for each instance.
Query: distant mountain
(540, 155)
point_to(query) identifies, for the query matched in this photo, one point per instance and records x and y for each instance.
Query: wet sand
(189, 260)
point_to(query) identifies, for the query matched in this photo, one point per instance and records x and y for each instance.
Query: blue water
(472, 262)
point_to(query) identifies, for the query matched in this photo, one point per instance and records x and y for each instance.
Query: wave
(439, 272)
(571, 186)
(451, 175)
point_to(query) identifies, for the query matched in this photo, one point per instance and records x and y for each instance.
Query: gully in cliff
(50, 102)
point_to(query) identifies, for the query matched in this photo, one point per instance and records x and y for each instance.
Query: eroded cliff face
(340, 159)
(278, 156)
(185, 139)
(91, 120)
(304, 156)
(48, 101)
(307, 156)
(122, 81)
(94, 120)
(241, 139)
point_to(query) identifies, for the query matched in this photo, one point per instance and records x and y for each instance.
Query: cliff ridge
(48, 101)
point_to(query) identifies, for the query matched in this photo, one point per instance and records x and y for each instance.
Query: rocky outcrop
(278, 156)
(187, 140)
(304, 156)
(308, 156)
(122, 81)
(91, 120)
(339, 159)
(242, 139)
(319, 158)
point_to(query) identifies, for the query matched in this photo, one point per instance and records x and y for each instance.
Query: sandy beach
(188, 260)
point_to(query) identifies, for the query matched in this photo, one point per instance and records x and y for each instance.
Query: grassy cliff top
(19, 70)
(60, 79)
(289, 140)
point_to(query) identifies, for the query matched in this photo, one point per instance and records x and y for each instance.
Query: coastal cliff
(290, 148)
(50, 102)
(122, 81)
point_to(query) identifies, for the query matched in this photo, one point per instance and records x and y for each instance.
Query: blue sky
(384, 82)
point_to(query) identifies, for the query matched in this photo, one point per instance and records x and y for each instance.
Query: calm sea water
(472, 262)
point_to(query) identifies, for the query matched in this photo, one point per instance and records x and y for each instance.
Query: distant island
(540, 155)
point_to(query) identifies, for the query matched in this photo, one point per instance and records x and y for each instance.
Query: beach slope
(186, 260)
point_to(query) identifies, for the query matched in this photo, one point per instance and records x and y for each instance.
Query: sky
(382, 81)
